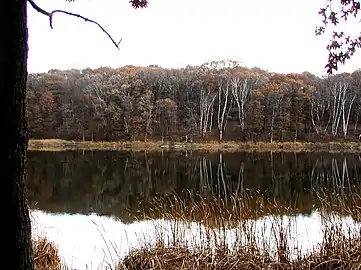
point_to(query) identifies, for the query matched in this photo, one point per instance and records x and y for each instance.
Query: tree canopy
(217, 100)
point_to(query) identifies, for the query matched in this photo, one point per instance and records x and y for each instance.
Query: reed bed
(341, 255)
(230, 234)
(271, 246)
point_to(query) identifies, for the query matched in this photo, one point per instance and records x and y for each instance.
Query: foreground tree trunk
(13, 75)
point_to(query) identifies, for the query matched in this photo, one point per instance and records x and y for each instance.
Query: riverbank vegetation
(269, 245)
(342, 253)
(206, 146)
(217, 101)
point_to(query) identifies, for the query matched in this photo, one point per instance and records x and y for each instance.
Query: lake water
(92, 204)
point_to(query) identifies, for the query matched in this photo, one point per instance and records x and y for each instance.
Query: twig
(50, 15)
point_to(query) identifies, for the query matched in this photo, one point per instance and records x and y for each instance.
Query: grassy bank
(273, 248)
(207, 146)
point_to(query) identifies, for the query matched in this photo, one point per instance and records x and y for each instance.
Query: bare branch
(341, 46)
(50, 15)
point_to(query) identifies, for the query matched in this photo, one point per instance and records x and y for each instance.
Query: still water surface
(88, 203)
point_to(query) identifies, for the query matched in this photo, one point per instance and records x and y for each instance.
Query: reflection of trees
(115, 183)
(220, 177)
(335, 173)
(240, 184)
(205, 176)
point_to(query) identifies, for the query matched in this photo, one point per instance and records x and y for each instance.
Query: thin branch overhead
(51, 14)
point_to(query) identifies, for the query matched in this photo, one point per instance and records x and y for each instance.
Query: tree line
(220, 100)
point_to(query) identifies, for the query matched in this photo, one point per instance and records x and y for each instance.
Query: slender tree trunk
(13, 75)
(356, 122)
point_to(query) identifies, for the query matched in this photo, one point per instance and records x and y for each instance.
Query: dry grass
(231, 146)
(63, 145)
(338, 255)
(46, 256)
(339, 249)
(215, 212)
(337, 252)
(206, 146)
(273, 248)
(161, 257)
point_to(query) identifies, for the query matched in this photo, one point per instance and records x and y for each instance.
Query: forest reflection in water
(122, 184)
(136, 199)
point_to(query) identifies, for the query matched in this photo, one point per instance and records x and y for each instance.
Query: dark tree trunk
(13, 74)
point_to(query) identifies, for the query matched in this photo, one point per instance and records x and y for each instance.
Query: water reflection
(115, 183)
(97, 205)
(94, 242)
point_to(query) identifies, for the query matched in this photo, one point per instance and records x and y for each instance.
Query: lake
(97, 205)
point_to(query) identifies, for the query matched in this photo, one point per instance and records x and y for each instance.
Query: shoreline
(208, 146)
(194, 242)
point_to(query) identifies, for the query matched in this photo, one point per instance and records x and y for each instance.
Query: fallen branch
(51, 14)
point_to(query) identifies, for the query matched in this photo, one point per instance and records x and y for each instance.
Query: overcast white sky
(277, 35)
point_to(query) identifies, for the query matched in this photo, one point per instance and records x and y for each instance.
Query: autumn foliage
(218, 100)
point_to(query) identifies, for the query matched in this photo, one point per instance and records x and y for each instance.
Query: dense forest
(218, 100)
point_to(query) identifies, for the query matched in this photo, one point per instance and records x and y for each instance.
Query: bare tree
(223, 86)
(241, 88)
(206, 101)
(274, 100)
(319, 111)
(342, 99)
